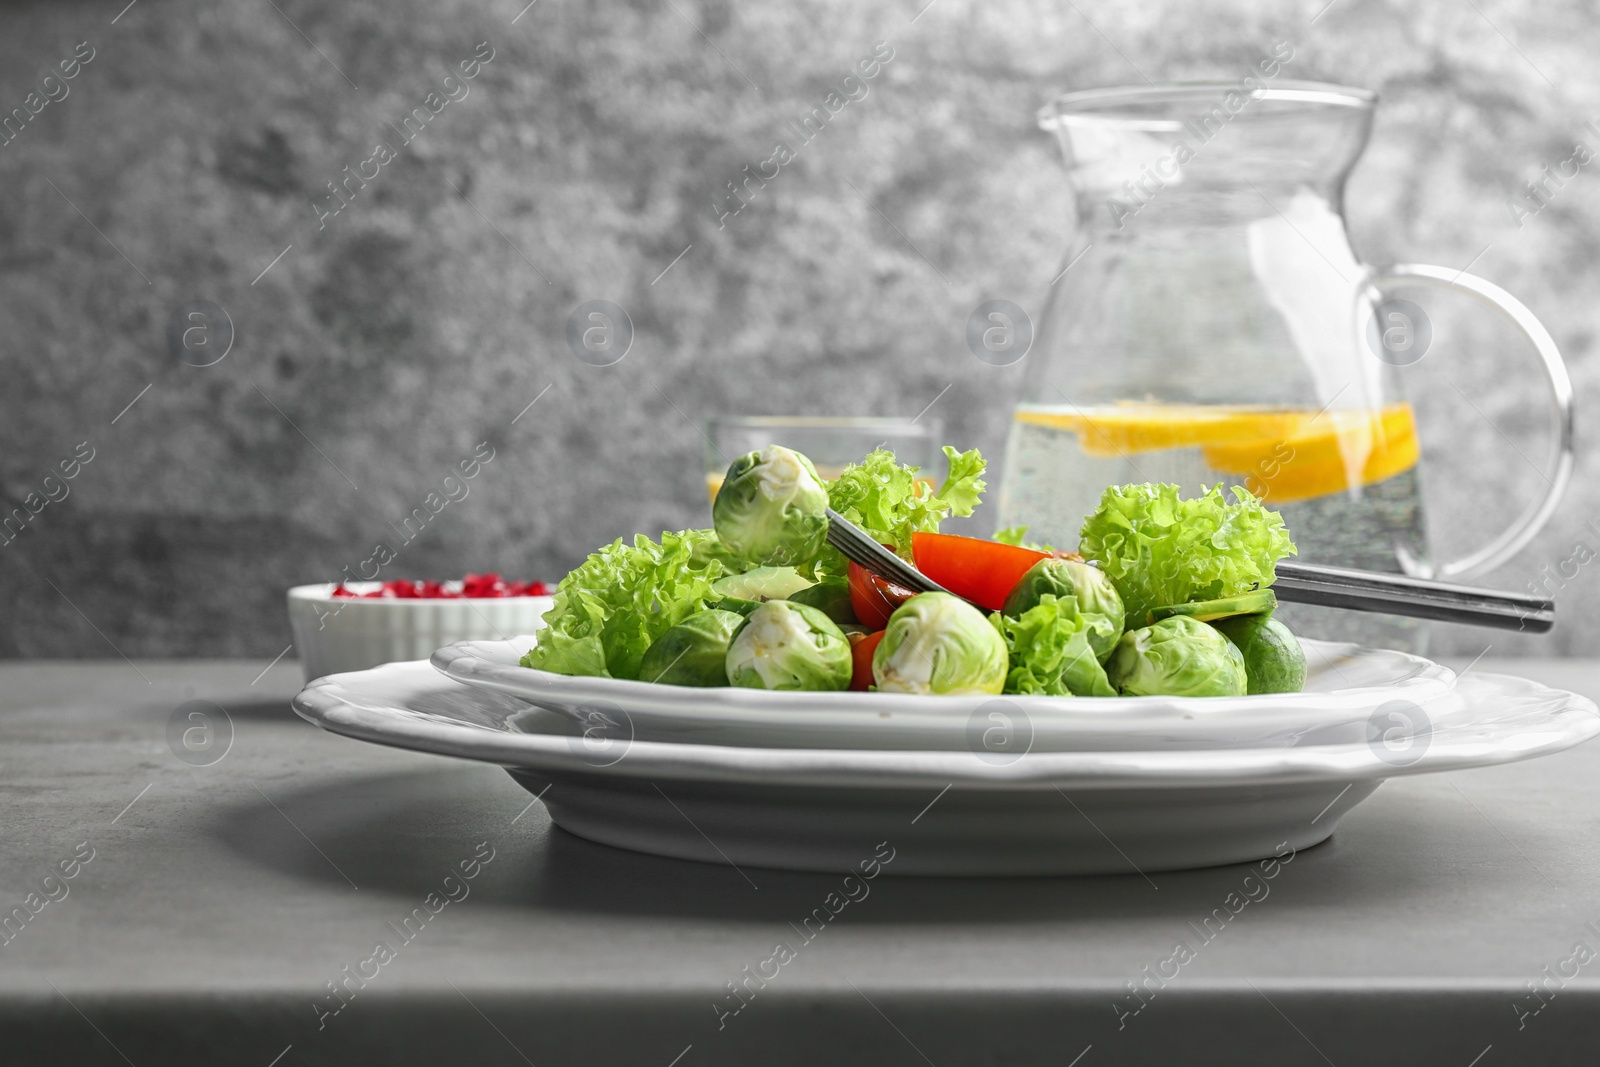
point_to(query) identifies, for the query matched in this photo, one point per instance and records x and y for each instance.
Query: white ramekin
(333, 634)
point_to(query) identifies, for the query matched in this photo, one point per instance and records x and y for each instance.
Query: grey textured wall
(418, 321)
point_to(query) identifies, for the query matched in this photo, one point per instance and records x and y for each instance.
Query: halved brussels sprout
(1177, 657)
(772, 508)
(1274, 662)
(1255, 602)
(746, 592)
(763, 583)
(694, 652)
(938, 643)
(831, 596)
(1097, 598)
(789, 646)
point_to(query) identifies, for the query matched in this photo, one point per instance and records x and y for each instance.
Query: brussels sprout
(831, 596)
(772, 508)
(1274, 662)
(746, 592)
(938, 643)
(763, 583)
(789, 646)
(1097, 598)
(694, 651)
(1177, 657)
(744, 608)
(1255, 602)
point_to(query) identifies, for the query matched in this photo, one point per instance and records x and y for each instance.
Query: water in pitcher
(1345, 482)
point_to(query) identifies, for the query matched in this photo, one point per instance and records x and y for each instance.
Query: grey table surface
(221, 902)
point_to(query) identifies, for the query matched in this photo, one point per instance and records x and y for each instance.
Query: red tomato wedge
(862, 646)
(983, 572)
(873, 598)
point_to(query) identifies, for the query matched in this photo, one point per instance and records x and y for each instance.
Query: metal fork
(1416, 598)
(857, 547)
(1301, 583)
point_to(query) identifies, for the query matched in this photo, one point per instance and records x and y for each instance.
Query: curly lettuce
(1018, 536)
(1160, 549)
(610, 609)
(1049, 651)
(885, 499)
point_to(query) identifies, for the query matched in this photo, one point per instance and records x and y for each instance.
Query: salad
(1164, 595)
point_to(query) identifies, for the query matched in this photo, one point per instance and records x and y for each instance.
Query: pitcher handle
(1558, 463)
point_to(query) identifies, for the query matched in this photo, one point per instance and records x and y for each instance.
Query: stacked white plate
(954, 785)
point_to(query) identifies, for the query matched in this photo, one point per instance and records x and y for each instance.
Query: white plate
(943, 812)
(1345, 685)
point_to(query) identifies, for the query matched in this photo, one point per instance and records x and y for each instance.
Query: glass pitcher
(1211, 323)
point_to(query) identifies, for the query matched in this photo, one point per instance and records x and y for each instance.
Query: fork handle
(1417, 598)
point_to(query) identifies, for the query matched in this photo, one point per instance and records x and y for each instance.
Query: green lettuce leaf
(1018, 536)
(1049, 651)
(963, 486)
(885, 499)
(1010, 535)
(610, 609)
(1159, 549)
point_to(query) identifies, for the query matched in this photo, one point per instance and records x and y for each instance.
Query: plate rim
(1577, 720)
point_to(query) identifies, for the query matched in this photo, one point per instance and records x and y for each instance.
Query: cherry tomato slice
(983, 572)
(873, 598)
(862, 646)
